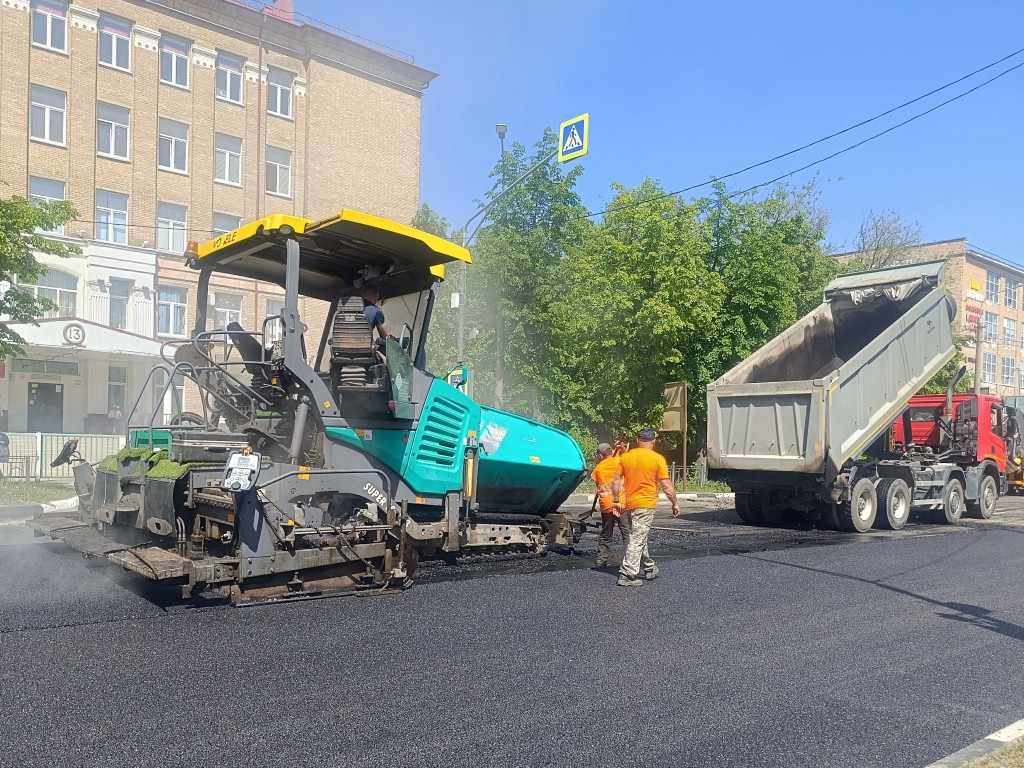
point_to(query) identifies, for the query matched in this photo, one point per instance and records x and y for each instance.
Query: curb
(983, 747)
(25, 511)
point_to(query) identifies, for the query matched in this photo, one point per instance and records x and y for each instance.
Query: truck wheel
(952, 502)
(754, 507)
(743, 507)
(771, 513)
(830, 516)
(858, 514)
(985, 506)
(893, 504)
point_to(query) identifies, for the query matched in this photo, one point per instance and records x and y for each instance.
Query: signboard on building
(972, 317)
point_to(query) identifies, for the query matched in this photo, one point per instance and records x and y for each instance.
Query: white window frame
(176, 309)
(116, 218)
(280, 96)
(274, 168)
(115, 385)
(1009, 332)
(229, 154)
(991, 321)
(233, 78)
(108, 123)
(988, 367)
(172, 142)
(992, 287)
(126, 299)
(37, 105)
(50, 19)
(59, 295)
(274, 328)
(113, 28)
(219, 230)
(171, 227)
(178, 61)
(228, 315)
(1009, 371)
(38, 195)
(1010, 290)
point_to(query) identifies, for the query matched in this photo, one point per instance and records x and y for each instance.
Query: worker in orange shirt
(604, 472)
(635, 493)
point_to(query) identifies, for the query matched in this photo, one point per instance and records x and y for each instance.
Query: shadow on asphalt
(962, 612)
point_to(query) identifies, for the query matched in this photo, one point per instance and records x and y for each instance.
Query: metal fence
(32, 452)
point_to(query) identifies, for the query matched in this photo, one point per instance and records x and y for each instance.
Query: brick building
(990, 309)
(165, 121)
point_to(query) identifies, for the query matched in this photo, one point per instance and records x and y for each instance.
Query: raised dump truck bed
(787, 427)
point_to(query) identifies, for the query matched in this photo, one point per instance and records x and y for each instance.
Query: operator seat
(354, 359)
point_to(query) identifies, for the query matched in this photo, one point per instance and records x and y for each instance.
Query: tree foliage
(883, 240)
(22, 224)
(581, 323)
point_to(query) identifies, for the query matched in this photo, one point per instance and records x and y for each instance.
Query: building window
(988, 367)
(1009, 332)
(53, 367)
(59, 287)
(1010, 293)
(170, 227)
(991, 328)
(47, 114)
(174, 60)
(279, 172)
(120, 291)
(992, 288)
(46, 191)
(112, 131)
(50, 24)
(1009, 371)
(279, 92)
(115, 43)
(227, 308)
(275, 328)
(173, 155)
(171, 310)
(229, 78)
(224, 223)
(227, 159)
(111, 217)
(117, 383)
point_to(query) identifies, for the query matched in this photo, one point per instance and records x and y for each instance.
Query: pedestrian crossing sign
(573, 138)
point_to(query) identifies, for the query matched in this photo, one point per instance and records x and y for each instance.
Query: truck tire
(830, 516)
(858, 514)
(743, 507)
(771, 513)
(754, 507)
(952, 502)
(988, 494)
(894, 500)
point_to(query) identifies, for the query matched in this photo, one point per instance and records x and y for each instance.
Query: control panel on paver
(241, 473)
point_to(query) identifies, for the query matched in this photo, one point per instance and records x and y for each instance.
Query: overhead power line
(860, 124)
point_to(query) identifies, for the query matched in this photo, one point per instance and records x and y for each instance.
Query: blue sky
(681, 91)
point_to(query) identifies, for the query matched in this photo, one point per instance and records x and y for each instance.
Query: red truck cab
(925, 412)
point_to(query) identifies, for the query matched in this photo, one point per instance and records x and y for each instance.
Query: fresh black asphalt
(872, 652)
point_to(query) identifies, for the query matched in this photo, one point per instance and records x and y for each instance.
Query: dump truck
(311, 465)
(1013, 427)
(802, 426)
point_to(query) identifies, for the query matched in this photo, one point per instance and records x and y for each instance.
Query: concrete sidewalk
(16, 512)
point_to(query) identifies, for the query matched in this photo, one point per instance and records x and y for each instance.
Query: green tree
(442, 341)
(22, 224)
(940, 381)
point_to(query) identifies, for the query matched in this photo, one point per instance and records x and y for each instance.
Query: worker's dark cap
(603, 448)
(646, 435)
